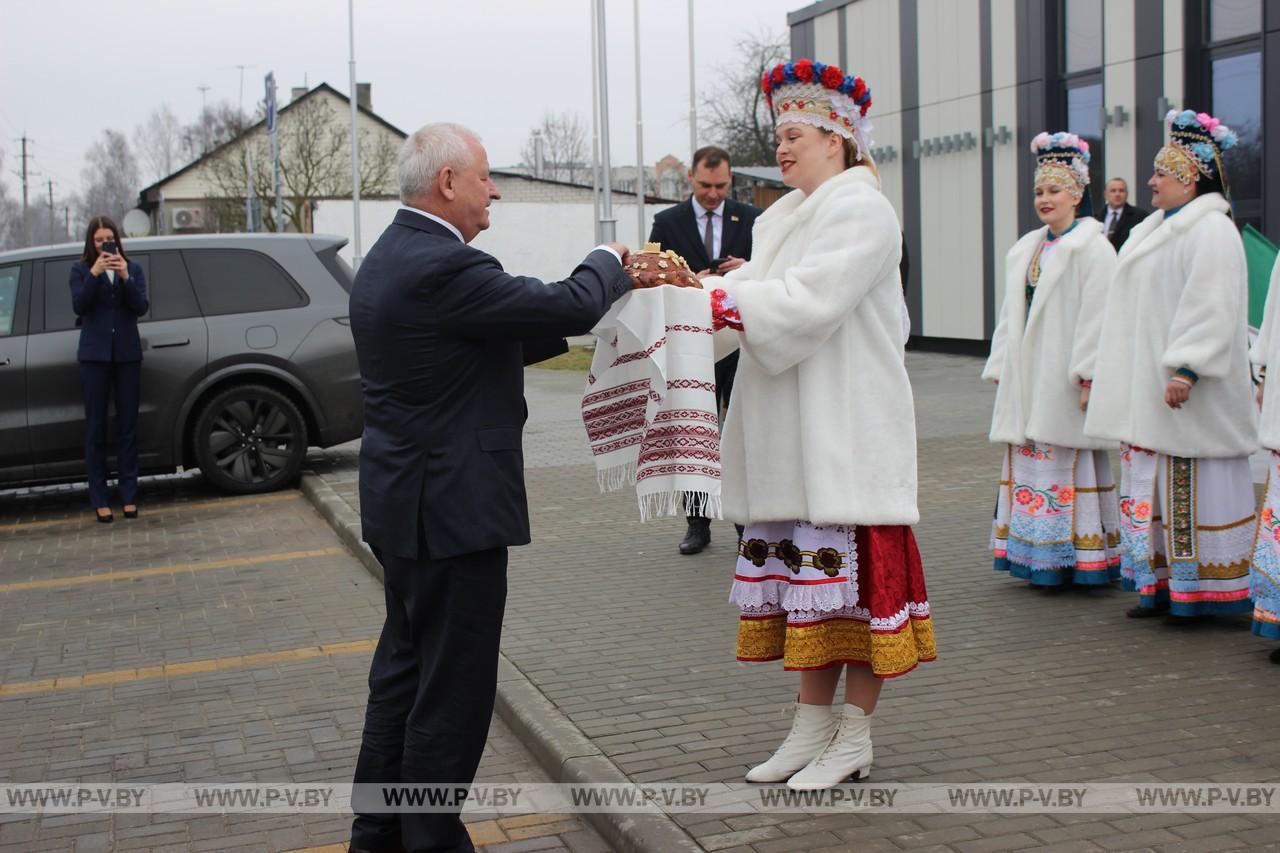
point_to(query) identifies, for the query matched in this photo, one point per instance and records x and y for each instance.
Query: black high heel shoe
(104, 519)
(131, 513)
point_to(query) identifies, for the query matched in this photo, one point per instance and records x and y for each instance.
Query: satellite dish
(137, 223)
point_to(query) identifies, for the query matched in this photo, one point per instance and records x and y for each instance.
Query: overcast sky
(70, 68)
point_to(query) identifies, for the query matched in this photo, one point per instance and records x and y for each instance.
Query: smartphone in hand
(109, 247)
(716, 262)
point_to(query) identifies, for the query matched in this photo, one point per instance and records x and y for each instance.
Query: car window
(235, 281)
(8, 298)
(169, 288)
(59, 316)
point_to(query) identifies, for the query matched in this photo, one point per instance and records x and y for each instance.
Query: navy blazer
(676, 228)
(108, 313)
(442, 334)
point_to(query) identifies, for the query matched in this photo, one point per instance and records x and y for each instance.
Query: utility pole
(26, 234)
(204, 125)
(53, 216)
(693, 97)
(640, 188)
(355, 140)
(608, 225)
(66, 220)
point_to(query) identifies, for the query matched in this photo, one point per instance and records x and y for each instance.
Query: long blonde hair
(851, 156)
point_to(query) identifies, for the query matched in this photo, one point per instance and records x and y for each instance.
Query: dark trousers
(99, 382)
(431, 690)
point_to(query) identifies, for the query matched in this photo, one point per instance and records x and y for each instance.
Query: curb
(564, 752)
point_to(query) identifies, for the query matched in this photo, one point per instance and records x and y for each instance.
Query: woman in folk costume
(1264, 576)
(1057, 520)
(1172, 384)
(819, 444)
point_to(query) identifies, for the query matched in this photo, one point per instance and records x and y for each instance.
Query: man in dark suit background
(711, 226)
(442, 334)
(1118, 216)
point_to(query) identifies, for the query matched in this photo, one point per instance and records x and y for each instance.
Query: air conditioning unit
(187, 218)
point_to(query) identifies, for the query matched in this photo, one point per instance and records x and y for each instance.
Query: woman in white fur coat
(1172, 383)
(819, 443)
(1057, 517)
(1264, 574)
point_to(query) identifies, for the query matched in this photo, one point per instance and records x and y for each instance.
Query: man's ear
(445, 183)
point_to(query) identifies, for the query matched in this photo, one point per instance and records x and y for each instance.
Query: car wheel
(250, 439)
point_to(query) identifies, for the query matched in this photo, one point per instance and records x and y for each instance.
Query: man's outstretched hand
(622, 250)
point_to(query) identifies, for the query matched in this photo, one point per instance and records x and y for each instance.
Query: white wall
(544, 240)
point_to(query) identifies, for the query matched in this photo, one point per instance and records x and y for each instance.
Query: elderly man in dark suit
(1118, 216)
(442, 334)
(713, 234)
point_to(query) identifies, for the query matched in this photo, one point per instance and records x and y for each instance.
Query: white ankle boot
(810, 731)
(848, 752)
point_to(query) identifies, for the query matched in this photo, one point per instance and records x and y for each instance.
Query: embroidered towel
(650, 402)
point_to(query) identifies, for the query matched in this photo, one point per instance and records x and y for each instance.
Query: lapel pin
(733, 219)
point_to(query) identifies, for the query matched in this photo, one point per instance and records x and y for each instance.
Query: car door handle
(175, 343)
(7, 361)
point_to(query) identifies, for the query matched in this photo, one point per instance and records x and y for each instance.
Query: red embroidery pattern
(682, 327)
(636, 356)
(616, 391)
(691, 383)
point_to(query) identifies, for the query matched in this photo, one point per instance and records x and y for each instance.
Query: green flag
(1260, 254)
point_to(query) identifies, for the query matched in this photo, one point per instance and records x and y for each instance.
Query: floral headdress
(1062, 160)
(1196, 144)
(821, 95)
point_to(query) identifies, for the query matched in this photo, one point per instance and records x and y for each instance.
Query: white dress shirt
(700, 214)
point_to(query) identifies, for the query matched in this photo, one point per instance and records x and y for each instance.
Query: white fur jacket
(1040, 358)
(821, 426)
(1266, 355)
(1179, 299)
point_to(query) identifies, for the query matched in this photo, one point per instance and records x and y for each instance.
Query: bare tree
(217, 124)
(315, 163)
(109, 177)
(564, 148)
(158, 142)
(736, 117)
(10, 215)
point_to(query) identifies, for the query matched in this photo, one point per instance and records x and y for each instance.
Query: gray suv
(247, 359)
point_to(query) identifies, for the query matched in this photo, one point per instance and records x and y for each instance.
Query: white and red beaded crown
(820, 95)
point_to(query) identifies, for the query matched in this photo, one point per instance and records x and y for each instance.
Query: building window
(1082, 75)
(1233, 69)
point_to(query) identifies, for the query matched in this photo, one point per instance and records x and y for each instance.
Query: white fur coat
(1266, 354)
(1040, 358)
(1179, 299)
(821, 426)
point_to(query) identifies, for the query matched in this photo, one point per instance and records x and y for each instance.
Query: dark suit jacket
(108, 313)
(441, 334)
(1129, 217)
(676, 228)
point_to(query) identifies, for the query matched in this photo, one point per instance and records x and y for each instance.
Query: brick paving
(634, 644)
(247, 600)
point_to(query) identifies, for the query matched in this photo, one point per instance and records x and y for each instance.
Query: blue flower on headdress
(1186, 118)
(1204, 153)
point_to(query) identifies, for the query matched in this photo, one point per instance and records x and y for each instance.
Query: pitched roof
(145, 192)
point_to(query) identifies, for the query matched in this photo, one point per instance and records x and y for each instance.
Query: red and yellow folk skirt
(815, 597)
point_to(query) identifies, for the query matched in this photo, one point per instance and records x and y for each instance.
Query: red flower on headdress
(866, 106)
(778, 75)
(859, 88)
(832, 77)
(765, 85)
(804, 71)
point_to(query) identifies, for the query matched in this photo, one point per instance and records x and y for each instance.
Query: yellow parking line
(87, 518)
(194, 667)
(105, 577)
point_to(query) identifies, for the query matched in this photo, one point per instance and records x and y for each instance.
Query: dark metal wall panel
(908, 35)
(842, 52)
(802, 40)
(989, 307)
(1148, 70)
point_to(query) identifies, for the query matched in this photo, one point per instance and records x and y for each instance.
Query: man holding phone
(712, 232)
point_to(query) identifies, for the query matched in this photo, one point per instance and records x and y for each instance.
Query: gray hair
(428, 150)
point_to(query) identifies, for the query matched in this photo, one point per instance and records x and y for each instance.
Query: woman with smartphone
(109, 294)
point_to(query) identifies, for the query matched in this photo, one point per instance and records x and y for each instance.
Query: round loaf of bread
(654, 267)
